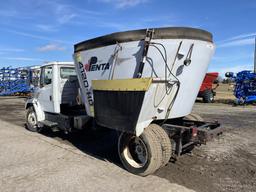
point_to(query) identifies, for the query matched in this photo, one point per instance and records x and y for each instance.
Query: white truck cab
(56, 97)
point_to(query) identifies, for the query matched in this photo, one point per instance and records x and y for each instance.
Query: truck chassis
(184, 133)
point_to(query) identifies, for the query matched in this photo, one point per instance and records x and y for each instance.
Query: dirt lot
(89, 162)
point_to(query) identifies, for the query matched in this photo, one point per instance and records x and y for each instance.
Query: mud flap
(118, 110)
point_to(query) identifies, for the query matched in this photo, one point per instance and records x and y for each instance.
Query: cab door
(45, 95)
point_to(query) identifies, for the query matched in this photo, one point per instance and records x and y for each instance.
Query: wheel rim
(32, 119)
(135, 152)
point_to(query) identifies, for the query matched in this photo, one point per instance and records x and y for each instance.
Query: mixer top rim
(137, 35)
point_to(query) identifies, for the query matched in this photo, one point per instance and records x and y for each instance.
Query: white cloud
(239, 40)
(36, 36)
(47, 28)
(64, 13)
(124, 3)
(68, 13)
(4, 51)
(129, 3)
(65, 18)
(11, 50)
(116, 25)
(144, 22)
(55, 11)
(245, 35)
(51, 47)
(231, 58)
(22, 58)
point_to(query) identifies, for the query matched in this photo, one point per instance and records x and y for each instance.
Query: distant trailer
(207, 88)
(18, 81)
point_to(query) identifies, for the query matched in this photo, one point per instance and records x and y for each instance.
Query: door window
(46, 76)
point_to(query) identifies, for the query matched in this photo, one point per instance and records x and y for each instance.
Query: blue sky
(35, 31)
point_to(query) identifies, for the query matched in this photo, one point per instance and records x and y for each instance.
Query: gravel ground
(88, 162)
(227, 163)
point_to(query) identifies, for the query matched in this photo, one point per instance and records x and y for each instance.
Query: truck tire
(164, 141)
(193, 117)
(140, 155)
(31, 120)
(208, 96)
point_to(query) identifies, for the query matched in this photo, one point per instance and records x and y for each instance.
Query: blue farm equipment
(14, 81)
(245, 86)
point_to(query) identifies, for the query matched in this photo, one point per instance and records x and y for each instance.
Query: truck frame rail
(191, 133)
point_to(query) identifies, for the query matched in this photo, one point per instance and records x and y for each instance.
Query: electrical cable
(177, 82)
(166, 62)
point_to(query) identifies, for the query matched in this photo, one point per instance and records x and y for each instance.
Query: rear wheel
(31, 120)
(164, 141)
(208, 96)
(140, 155)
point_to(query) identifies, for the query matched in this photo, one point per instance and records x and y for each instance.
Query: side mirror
(229, 74)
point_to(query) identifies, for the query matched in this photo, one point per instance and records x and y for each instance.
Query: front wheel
(31, 120)
(140, 155)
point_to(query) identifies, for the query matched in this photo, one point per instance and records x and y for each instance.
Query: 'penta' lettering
(93, 66)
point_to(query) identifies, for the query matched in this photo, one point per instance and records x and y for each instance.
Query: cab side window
(67, 72)
(46, 76)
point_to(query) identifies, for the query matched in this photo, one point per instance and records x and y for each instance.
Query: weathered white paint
(123, 63)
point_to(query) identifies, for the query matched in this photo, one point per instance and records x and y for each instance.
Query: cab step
(48, 123)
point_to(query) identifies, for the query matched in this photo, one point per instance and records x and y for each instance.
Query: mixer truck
(140, 83)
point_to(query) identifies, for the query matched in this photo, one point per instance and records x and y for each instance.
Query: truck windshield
(66, 72)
